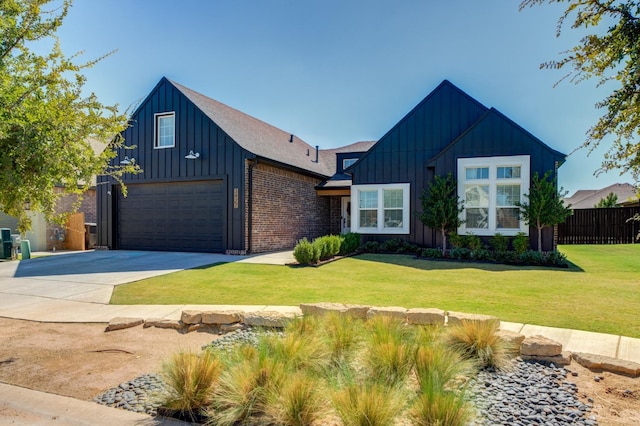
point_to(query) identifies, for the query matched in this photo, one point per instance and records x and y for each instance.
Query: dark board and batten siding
(221, 159)
(401, 155)
(447, 125)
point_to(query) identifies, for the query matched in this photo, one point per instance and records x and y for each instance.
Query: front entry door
(346, 215)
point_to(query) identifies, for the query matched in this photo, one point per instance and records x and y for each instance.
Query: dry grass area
(81, 361)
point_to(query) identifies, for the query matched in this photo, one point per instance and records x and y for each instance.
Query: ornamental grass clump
(479, 341)
(368, 405)
(342, 336)
(299, 402)
(191, 379)
(389, 355)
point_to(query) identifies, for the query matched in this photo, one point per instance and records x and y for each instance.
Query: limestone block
(390, 311)
(613, 365)
(357, 311)
(540, 346)
(429, 316)
(221, 317)
(321, 308)
(563, 359)
(228, 328)
(172, 324)
(268, 319)
(512, 339)
(120, 323)
(456, 318)
(191, 317)
(151, 322)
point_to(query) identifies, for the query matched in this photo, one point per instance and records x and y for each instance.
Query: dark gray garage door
(185, 216)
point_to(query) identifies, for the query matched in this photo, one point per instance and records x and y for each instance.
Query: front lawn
(599, 292)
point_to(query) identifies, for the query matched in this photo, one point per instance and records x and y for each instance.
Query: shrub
(190, 379)
(473, 242)
(342, 335)
(392, 245)
(368, 405)
(371, 246)
(350, 243)
(520, 243)
(323, 246)
(532, 257)
(481, 254)
(441, 407)
(460, 253)
(390, 362)
(431, 253)
(499, 242)
(438, 366)
(555, 258)
(407, 247)
(306, 252)
(457, 240)
(478, 341)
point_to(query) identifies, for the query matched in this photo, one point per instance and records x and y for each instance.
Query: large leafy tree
(46, 122)
(544, 206)
(441, 206)
(610, 54)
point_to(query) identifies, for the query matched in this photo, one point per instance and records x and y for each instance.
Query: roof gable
(588, 198)
(440, 117)
(258, 137)
(496, 134)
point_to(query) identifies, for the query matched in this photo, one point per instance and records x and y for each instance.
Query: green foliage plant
(608, 52)
(431, 253)
(441, 407)
(610, 201)
(49, 125)
(305, 252)
(441, 207)
(392, 245)
(190, 380)
(370, 404)
(371, 246)
(520, 243)
(299, 402)
(479, 341)
(544, 206)
(473, 242)
(350, 243)
(457, 240)
(500, 243)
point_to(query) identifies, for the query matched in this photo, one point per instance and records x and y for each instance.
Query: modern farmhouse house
(217, 180)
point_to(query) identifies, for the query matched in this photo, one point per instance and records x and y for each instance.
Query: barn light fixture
(191, 155)
(127, 161)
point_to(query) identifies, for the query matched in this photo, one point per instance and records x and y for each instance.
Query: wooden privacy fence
(600, 226)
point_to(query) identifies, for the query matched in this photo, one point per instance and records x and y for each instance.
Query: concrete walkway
(77, 287)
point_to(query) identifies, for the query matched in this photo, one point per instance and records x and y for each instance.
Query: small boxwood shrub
(306, 252)
(456, 240)
(532, 257)
(392, 245)
(431, 253)
(350, 243)
(460, 253)
(555, 258)
(328, 246)
(473, 242)
(500, 243)
(521, 243)
(481, 254)
(371, 246)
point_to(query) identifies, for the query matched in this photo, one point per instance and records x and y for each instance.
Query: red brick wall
(285, 208)
(65, 204)
(336, 214)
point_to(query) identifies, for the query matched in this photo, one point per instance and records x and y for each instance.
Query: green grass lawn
(599, 292)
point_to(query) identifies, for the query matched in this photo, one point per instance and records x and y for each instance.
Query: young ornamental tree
(545, 206)
(441, 206)
(607, 202)
(47, 122)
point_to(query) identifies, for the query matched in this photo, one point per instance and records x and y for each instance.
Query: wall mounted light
(127, 161)
(191, 155)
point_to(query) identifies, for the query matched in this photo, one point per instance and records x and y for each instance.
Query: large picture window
(381, 209)
(490, 188)
(165, 130)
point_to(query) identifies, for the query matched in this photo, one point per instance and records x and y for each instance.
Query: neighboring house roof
(341, 180)
(260, 138)
(588, 198)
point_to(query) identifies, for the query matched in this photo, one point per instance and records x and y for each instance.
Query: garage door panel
(179, 216)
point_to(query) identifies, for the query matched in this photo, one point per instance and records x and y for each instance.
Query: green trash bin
(25, 248)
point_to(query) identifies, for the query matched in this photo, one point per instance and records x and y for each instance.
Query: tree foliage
(544, 207)
(47, 124)
(608, 56)
(611, 200)
(441, 206)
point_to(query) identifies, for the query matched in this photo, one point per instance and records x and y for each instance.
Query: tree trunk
(444, 242)
(539, 237)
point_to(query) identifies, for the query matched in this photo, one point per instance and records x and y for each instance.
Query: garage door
(185, 216)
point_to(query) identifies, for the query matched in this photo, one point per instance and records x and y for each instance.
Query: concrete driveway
(90, 276)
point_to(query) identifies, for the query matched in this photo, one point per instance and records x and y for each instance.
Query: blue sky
(337, 72)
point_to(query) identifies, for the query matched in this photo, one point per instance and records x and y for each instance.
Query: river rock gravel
(529, 393)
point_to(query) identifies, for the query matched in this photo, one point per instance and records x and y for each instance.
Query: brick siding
(285, 209)
(65, 204)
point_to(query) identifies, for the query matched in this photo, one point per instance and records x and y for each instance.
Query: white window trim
(352, 160)
(524, 161)
(156, 135)
(380, 229)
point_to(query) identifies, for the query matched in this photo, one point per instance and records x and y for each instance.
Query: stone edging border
(536, 348)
